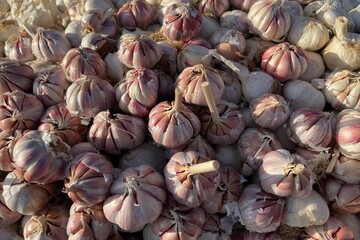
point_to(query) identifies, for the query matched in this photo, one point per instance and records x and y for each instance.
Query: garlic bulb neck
(341, 29)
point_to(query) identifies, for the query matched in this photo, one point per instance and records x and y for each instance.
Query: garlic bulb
(343, 50)
(344, 168)
(7, 141)
(18, 48)
(243, 5)
(308, 33)
(213, 7)
(209, 25)
(235, 19)
(74, 32)
(354, 13)
(193, 53)
(269, 20)
(307, 211)
(136, 198)
(7, 216)
(135, 13)
(315, 68)
(301, 94)
(115, 69)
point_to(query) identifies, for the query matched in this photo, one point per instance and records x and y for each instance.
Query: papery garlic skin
(7, 216)
(307, 211)
(136, 198)
(284, 61)
(284, 174)
(20, 111)
(24, 197)
(347, 134)
(316, 67)
(18, 48)
(308, 33)
(135, 13)
(101, 21)
(7, 141)
(182, 22)
(235, 19)
(213, 7)
(269, 20)
(192, 53)
(88, 178)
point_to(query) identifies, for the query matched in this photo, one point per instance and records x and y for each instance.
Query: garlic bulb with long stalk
(343, 50)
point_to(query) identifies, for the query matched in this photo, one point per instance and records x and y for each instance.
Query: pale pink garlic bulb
(83, 61)
(59, 121)
(89, 95)
(176, 223)
(50, 86)
(192, 53)
(182, 22)
(243, 5)
(228, 42)
(228, 190)
(221, 123)
(7, 141)
(137, 93)
(347, 133)
(235, 19)
(172, 124)
(190, 79)
(213, 7)
(100, 21)
(343, 197)
(254, 143)
(284, 61)
(135, 14)
(114, 133)
(260, 211)
(40, 156)
(20, 111)
(15, 76)
(24, 197)
(342, 89)
(88, 178)
(191, 177)
(249, 235)
(136, 198)
(212, 229)
(334, 228)
(88, 222)
(270, 111)
(50, 45)
(269, 20)
(284, 174)
(7, 216)
(49, 223)
(18, 48)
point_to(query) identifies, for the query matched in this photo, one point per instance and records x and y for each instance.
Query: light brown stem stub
(204, 167)
(210, 100)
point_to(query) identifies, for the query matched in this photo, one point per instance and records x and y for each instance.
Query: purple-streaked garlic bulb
(88, 222)
(269, 20)
(88, 178)
(50, 45)
(342, 89)
(7, 141)
(59, 121)
(235, 19)
(7, 216)
(334, 228)
(347, 134)
(192, 53)
(176, 222)
(212, 229)
(89, 95)
(18, 48)
(83, 147)
(311, 128)
(137, 93)
(40, 156)
(198, 144)
(166, 86)
(228, 190)
(182, 22)
(172, 124)
(213, 7)
(221, 123)
(138, 50)
(284, 174)
(116, 132)
(100, 21)
(228, 42)
(243, 5)
(342, 197)
(190, 79)
(135, 14)
(260, 211)
(249, 235)
(50, 86)
(15, 76)
(284, 61)
(191, 177)
(20, 111)
(136, 198)
(83, 61)
(49, 223)
(270, 111)
(24, 197)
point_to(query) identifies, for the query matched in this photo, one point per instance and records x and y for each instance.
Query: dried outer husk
(344, 168)
(7, 216)
(7, 141)
(211, 229)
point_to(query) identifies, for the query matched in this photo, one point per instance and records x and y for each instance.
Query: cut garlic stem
(298, 168)
(177, 101)
(204, 167)
(335, 156)
(341, 28)
(209, 97)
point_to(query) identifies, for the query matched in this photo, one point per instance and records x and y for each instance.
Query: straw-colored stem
(204, 167)
(209, 97)
(177, 101)
(334, 159)
(341, 28)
